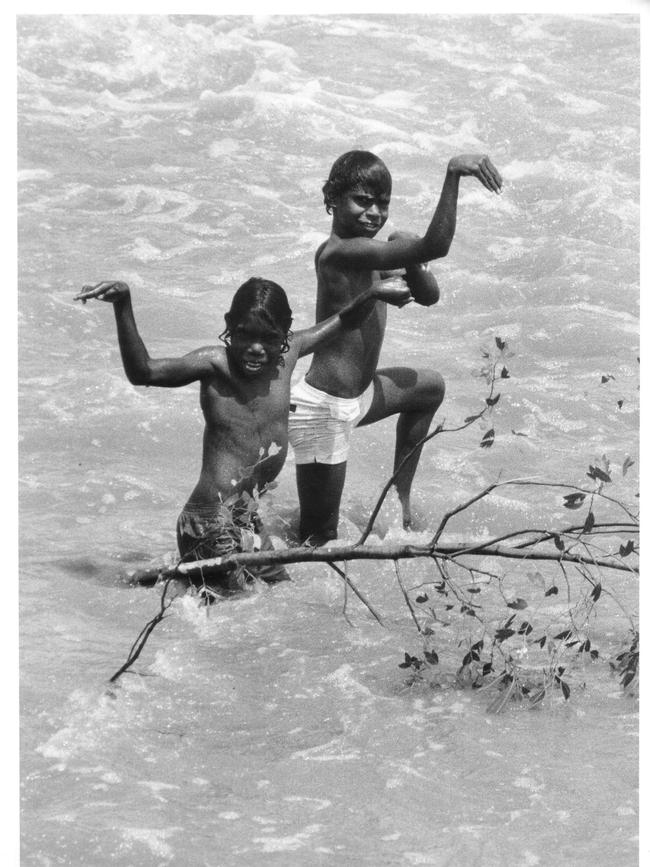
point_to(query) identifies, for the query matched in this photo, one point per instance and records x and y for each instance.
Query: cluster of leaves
(487, 664)
(626, 665)
(492, 362)
(492, 661)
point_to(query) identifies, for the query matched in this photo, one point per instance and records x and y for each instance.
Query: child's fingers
(490, 176)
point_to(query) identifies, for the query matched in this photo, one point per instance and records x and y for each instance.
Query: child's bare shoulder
(319, 252)
(212, 359)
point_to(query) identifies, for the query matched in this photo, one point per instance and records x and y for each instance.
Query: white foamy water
(184, 154)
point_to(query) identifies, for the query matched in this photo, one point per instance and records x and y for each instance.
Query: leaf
(574, 501)
(504, 373)
(501, 344)
(487, 668)
(473, 589)
(421, 599)
(518, 604)
(559, 544)
(595, 593)
(552, 591)
(488, 439)
(525, 628)
(627, 463)
(606, 378)
(597, 473)
(478, 646)
(471, 418)
(431, 657)
(562, 635)
(467, 659)
(518, 433)
(566, 691)
(408, 660)
(491, 401)
(503, 634)
(589, 523)
(619, 403)
(625, 550)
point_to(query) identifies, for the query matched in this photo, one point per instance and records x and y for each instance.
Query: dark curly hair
(265, 300)
(356, 169)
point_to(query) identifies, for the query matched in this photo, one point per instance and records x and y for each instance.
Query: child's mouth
(252, 365)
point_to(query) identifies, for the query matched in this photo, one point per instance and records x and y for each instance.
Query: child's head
(356, 169)
(263, 306)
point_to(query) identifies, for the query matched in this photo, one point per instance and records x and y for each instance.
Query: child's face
(360, 213)
(254, 346)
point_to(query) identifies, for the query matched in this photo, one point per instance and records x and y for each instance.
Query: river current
(184, 154)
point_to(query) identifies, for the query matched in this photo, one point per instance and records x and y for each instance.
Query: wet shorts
(226, 528)
(320, 425)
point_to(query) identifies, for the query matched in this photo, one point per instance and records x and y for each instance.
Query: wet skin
(346, 264)
(244, 387)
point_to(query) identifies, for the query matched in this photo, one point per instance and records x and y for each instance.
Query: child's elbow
(423, 285)
(441, 250)
(139, 377)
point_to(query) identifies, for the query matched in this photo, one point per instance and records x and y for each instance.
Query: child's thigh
(404, 389)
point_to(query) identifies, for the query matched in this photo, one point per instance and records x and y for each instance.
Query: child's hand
(398, 296)
(107, 290)
(478, 165)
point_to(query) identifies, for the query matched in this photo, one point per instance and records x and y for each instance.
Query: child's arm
(350, 316)
(139, 367)
(402, 252)
(423, 285)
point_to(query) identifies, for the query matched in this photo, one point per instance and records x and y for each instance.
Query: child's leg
(415, 395)
(320, 487)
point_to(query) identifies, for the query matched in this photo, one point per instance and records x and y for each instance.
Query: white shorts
(320, 424)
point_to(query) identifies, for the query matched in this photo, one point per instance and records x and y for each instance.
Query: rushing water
(184, 154)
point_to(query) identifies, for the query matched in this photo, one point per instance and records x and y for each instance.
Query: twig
(348, 582)
(405, 595)
(139, 643)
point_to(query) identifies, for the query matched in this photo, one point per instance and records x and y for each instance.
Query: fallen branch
(218, 565)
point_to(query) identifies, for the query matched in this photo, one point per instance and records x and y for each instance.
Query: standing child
(343, 387)
(245, 402)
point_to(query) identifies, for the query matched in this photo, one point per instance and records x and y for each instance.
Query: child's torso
(346, 365)
(245, 436)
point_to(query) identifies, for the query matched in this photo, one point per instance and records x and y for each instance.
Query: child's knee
(435, 389)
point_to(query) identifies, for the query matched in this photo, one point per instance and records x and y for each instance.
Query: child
(245, 402)
(343, 387)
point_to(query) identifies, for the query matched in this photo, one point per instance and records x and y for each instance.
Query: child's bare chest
(242, 406)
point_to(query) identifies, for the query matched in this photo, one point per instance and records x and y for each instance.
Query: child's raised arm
(350, 316)
(435, 243)
(139, 367)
